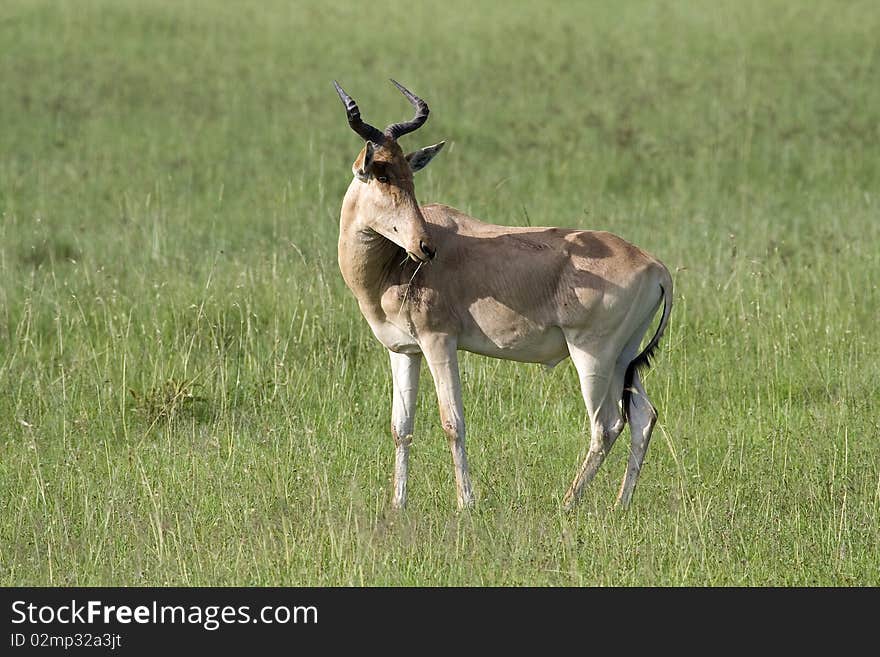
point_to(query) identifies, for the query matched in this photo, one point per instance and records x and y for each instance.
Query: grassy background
(189, 396)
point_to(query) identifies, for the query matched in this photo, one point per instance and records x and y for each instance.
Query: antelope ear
(419, 159)
(361, 165)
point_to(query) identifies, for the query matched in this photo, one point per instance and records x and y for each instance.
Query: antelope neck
(367, 260)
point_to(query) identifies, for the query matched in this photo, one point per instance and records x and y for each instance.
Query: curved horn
(365, 130)
(396, 130)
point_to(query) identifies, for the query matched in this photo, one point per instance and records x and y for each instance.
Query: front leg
(442, 358)
(405, 375)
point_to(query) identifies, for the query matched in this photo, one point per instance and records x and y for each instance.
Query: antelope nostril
(427, 250)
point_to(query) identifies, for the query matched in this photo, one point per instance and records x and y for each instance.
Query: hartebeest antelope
(431, 280)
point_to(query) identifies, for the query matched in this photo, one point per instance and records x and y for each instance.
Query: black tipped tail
(643, 360)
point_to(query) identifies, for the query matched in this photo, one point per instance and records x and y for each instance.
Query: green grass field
(189, 395)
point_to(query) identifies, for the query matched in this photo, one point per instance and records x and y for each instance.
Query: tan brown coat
(431, 280)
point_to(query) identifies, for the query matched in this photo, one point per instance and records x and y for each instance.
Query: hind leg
(601, 387)
(642, 417)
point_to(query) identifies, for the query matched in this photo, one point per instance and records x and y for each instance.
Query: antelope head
(385, 196)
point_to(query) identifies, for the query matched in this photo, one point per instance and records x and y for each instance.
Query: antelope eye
(382, 179)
